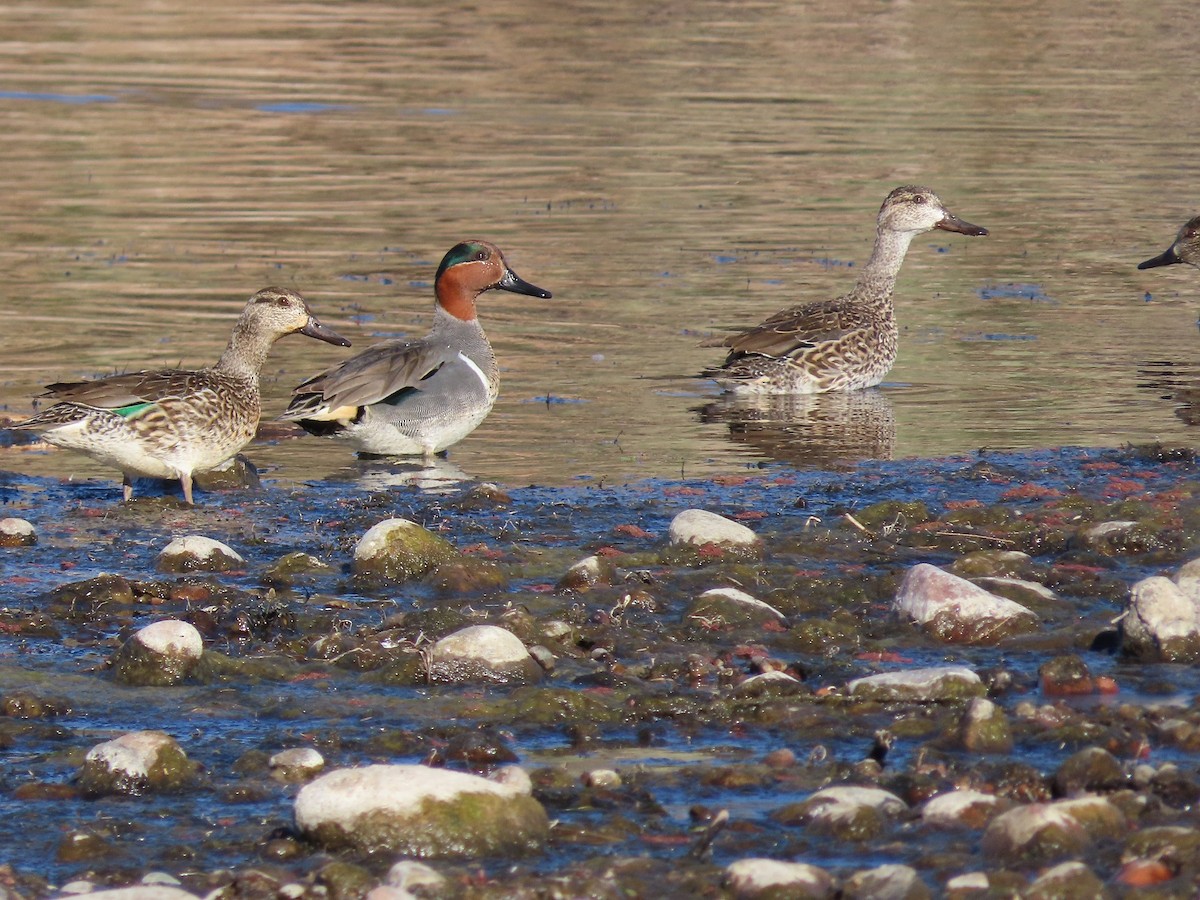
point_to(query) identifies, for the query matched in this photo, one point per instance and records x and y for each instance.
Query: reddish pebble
(1144, 872)
(780, 759)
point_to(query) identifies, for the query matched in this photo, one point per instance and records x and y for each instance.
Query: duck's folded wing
(795, 329)
(372, 376)
(122, 391)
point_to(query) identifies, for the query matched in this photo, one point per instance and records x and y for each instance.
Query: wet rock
(956, 611)
(1033, 834)
(696, 536)
(342, 880)
(17, 533)
(294, 567)
(749, 879)
(847, 812)
(296, 764)
(1107, 538)
(136, 763)
(1065, 676)
(160, 654)
(417, 811)
(399, 550)
(587, 574)
(1176, 846)
(890, 882)
(1161, 622)
(24, 705)
(195, 553)
(236, 472)
(1091, 769)
(733, 607)
(1030, 594)
(413, 879)
(142, 892)
(963, 808)
(483, 653)
(1066, 881)
(80, 598)
(606, 779)
(984, 728)
(993, 564)
(772, 683)
(969, 886)
(1099, 816)
(931, 685)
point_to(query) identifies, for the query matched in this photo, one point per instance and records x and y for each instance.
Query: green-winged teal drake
(402, 398)
(175, 423)
(1186, 248)
(844, 344)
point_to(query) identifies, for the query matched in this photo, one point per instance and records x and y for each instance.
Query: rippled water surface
(669, 172)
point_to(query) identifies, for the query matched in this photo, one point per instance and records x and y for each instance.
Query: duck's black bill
(512, 282)
(955, 224)
(1166, 258)
(315, 329)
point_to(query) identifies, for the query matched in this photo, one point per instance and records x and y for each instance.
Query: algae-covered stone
(80, 597)
(956, 611)
(294, 566)
(766, 879)
(136, 763)
(143, 892)
(1067, 881)
(963, 808)
(422, 812)
(195, 553)
(400, 550)
(236, 472)
(848, 812)
(772, 683)
(1100, 817)
(930, 685)
(296, 764)
(587, 574)
(984, 728)
(888, 882)
(733, 607)
(159, 654)
(17, 533)
(1033, 834)
(483, 653)
(1090, 769)
(1161, 622)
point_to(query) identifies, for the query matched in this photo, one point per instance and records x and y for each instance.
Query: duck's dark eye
(918, 198)
(481, 255)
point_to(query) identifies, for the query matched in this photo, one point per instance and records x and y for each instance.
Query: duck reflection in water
(819, 431)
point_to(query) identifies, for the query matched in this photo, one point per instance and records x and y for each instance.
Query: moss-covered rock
(195, 553)
(160, 654)
(136, 763)
(421, 812)
(399, 550)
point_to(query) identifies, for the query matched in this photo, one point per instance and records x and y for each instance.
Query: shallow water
(668, 175)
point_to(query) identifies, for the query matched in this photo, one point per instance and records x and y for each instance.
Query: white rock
(957, 610)
(17, 532)
(934, 683)
(699, 527)
(971, 881)
(1040, 591)
(841, 802)
(132, 754)
(171, 637)
(887, 882)
(957, 809)
(298, 759)
(608, 779)
(1028, 831)
(197, 552)
(142, 892)
(1161, 621)
(749, 878)
(482, 651)
(408, 874)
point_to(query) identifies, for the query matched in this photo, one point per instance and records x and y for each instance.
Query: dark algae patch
(695, 711)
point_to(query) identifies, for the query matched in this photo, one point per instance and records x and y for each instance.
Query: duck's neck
(878, 279)
(246, 352)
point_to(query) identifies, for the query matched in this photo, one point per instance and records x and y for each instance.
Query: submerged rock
(847, 812)
(296, 764)
(750, 879)
(136, 763)
(160, 654)
(483, 653)
(984, 728)
(733, 607)
(1161, 622)
(889, 882)
(588, 573)
(1033, 834)
(929, 685)
(400, 550)
(697, 536)
(962, 808)
(956, 611)
(195, 553)
(417, 811)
